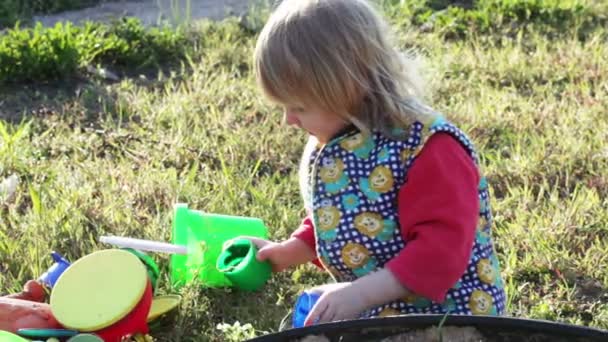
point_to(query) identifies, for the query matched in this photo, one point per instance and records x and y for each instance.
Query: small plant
(176, 14)
(134, 45)
(236, 332)
(38, 53)
(41, 54)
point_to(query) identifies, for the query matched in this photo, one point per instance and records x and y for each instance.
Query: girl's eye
(297, 109)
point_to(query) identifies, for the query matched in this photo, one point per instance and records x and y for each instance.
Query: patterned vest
(351, 191)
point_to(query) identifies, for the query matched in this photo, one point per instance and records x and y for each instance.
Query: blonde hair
(337, 55)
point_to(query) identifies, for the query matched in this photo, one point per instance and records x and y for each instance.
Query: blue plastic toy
(305, 302)
(49, 278)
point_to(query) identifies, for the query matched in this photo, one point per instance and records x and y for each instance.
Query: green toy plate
(163, 304)
(46, 332)
(98, 290)
(85, 338)
(6, 336)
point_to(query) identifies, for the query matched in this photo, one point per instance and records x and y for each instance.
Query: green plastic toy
(238, 262)
(151, 266)
(205, 234)
(33, 333)
(85, 338)
(6, 336)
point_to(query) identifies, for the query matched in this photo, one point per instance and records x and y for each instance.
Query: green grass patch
(51, 53)
(460, 19)
(43, 54)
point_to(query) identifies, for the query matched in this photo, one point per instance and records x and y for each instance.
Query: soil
(450, 334)
(151, 12)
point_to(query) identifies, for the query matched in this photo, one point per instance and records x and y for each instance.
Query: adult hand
(32, 291)
(17, 314)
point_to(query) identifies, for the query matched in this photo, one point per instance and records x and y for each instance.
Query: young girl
(398, 213)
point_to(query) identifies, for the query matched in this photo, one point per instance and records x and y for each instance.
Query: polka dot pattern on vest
(354, 182)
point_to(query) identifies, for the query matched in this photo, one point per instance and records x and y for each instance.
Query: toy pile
(109, 295)
(106, 296)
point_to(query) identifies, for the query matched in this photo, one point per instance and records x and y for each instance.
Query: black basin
(492, 328)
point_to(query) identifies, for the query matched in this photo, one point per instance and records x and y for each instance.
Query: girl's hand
(283, 255)
(274, 252)
(341, 301)
(349, 300)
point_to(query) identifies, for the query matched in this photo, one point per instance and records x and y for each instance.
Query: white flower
(9, 186)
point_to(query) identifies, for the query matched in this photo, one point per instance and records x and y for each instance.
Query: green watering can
(199, 249)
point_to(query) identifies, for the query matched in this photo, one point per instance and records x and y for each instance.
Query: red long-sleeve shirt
(438, 211)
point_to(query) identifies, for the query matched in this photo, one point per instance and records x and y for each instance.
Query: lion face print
(480, 303)
(381, 179)
(410, 298)
(334, 272)
(355, 255)
(387, 312)
(485, 271)
(359, 144)
(482, 223)
(405, 155)
(353, 142)
(332, 169)
(417, 301)
(328, 217)
(482, 237)
(370, 224)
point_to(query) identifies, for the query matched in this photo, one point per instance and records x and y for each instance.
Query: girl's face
(322, 125)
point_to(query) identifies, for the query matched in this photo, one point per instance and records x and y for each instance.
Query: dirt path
(151, 12)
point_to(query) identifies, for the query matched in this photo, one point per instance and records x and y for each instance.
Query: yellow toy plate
(163, 304)
(98, 290)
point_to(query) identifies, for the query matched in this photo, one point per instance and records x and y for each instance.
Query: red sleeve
(438, 212)
(306, 233)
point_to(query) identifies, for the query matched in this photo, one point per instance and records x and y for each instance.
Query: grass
(99, 158)
(41, 54)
